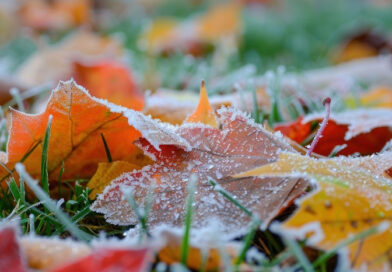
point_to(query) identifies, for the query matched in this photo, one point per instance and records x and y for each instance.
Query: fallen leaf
(159, 35)
(213, 154)
(194, 35)
(106, 172)
(380, 97)
(54, 63)
(209, 253)
(364, 131)
(174, 107)
(364, 44)
(354, 195)
(78, 122)
(45, 253)
(111, 81)
(204, 112)
(55, 15)
(11, 258)
(111, 259)
(220, 21)
(296, 131)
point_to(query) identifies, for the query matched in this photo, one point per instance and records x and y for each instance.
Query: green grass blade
(296, 250)
(188, 220)
(248, 240)
(359, 236)
(51, 205)
(231, 198)
(44, 157)
(140, 214)
(18, 99)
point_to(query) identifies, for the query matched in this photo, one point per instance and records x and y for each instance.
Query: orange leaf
(55, 15)
(211, 154)
(204, 112)
(171, 252)
(53, 63)
(78, 122)
(364, 44)
(111, 81)
(220, 21)
(296, 131)
(354, 195)
(174, 107)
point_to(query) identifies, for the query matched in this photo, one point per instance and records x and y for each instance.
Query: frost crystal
(214, 153)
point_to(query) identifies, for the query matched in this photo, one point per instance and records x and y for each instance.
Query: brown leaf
(213, 154)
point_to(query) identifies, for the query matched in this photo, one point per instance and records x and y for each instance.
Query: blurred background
(174, 44)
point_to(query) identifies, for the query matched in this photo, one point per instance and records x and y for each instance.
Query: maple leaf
(354, 195)
(10, 252)
(78, 122)
(213, 153)
(364, 131)
(107, 172)
(109, 80)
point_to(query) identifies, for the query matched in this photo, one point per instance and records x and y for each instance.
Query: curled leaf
(204, 112)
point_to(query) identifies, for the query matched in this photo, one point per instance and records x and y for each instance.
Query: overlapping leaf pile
(259, 169)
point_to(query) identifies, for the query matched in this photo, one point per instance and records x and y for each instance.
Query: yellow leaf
(354, 194)
(106, 172)
(204, 112)
(159, 35)
(380, 97)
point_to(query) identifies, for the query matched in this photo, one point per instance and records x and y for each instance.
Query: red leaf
(105, 260)
(10, 254)
(363, 131)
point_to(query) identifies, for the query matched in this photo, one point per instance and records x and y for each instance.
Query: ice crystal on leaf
(239, 145)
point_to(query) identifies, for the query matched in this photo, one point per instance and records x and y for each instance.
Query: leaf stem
(327, 105)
